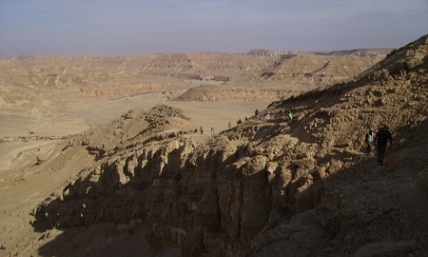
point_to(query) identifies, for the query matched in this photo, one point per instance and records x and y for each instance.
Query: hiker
(369, 141)
(246, 118)
(267, 116)
(230, 124)
(257, 114)
(212, 130)
(239, 121)
(382, 137)
(202, 130)
(290, 116)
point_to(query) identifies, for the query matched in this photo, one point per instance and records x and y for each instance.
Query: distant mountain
(359, 52)
(121, 76)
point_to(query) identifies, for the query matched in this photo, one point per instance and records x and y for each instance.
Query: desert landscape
(104, 155)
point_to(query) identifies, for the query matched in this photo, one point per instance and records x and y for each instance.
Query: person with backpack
(369, 141)
(257, 113)
(290, 116)
(382, 137)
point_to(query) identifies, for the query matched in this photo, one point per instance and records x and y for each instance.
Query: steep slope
(267, 187)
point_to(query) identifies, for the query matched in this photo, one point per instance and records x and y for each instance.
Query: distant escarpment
(122, 76)
(359, 52)
(314, 70)
(271, 187)
(225, 93)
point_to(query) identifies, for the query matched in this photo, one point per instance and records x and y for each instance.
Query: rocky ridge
(267, 187)
(225, 92)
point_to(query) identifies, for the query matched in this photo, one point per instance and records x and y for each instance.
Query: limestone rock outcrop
(271, 187)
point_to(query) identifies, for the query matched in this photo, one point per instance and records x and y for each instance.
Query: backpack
(383, 137)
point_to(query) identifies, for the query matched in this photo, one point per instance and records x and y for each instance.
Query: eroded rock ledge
(193, 195)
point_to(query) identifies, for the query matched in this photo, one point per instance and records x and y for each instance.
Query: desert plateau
(105, 155)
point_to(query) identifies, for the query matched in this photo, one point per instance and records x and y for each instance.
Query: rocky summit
(269, 186)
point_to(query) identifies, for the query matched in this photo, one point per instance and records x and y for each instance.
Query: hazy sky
(129, 27)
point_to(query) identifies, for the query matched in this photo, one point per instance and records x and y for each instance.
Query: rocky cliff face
(270, 187)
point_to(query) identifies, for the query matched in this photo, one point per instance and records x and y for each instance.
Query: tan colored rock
(261, 188)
